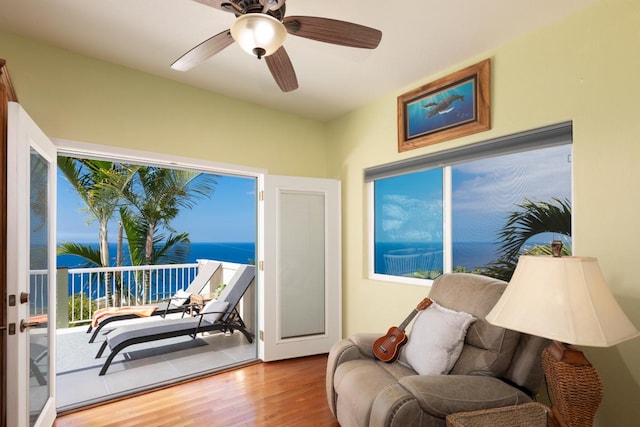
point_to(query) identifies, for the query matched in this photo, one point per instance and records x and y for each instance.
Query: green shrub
(80, 307)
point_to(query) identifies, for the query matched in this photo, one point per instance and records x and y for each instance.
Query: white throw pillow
(436, 340)
(216, 308)
(180, 298)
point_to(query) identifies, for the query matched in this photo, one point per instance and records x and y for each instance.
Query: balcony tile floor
(141, 366)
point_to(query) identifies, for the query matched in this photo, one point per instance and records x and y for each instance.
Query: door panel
(302, 288)
(303, 237)
(31, 161)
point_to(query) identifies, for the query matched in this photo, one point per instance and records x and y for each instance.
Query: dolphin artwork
(443, 106)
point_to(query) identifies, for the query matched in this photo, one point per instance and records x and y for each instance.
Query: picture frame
(451, 107)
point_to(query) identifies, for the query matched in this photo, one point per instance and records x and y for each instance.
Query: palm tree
(118, 278)
(531, 219)
(171, 249)
(155, 199)
(148, 199)
(100, 184)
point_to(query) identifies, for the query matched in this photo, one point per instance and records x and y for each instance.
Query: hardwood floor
(285, 393)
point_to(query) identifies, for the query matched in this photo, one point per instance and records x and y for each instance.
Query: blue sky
(483, 192)
(229, 215)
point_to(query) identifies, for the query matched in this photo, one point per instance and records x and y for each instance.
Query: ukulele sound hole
(392, 338)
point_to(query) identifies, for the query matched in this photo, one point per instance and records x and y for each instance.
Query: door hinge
(261, 265)
(261, 196)
(261, 335)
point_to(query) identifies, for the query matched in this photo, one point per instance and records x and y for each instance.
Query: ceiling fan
(260, 29)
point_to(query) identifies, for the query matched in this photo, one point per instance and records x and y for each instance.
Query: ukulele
(386, 348)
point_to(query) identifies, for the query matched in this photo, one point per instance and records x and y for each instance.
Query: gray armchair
(497, 367)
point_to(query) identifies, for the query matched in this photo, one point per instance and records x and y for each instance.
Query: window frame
(545, 137)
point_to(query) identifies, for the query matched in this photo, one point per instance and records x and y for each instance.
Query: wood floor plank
(284, 393)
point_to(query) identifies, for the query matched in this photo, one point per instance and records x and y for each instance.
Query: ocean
(469, 255)
(466, 254)
(240, 252)
(402, 258)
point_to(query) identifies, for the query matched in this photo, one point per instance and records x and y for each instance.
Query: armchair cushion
(488, 349)
(440, 395)
(436, 340)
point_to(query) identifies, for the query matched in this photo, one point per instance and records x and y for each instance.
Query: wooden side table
(198, 300)
(531, 414)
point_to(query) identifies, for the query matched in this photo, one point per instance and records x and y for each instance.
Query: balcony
(142, 366)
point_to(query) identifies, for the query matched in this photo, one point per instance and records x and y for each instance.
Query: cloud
(411, 219)
(496, 185)
(484, 192)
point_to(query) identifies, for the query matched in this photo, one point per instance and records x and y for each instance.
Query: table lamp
(566, 300)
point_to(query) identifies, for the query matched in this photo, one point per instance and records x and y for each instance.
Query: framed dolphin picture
(453, 106)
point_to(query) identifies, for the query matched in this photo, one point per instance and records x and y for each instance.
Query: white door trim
(23, 135)
(272, 346)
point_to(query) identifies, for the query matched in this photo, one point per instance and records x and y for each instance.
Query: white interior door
(302, 302)
(31, 180)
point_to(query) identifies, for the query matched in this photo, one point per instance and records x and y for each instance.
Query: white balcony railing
(87, 289)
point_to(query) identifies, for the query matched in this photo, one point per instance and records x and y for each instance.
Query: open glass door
(31, 169)
(301, 296)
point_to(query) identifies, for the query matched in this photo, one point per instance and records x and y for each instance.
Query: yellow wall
(79, 98)
(584, 69)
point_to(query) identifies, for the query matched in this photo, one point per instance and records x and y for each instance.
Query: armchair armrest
(357, 346)
(364, 342)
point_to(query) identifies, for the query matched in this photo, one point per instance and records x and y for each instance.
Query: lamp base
(575, 389)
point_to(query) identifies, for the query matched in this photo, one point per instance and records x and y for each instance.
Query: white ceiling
(420, 38)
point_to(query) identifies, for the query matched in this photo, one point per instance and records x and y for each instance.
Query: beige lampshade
(258, 34)
(564, 299)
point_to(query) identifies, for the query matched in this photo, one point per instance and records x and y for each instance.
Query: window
(408, 226)
(431, 216)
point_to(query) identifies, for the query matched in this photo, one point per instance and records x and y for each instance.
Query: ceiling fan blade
(282, 70)
(203, 51)
(333, 31)
(224, 5)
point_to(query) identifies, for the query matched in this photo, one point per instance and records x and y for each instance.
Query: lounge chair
(178, 303)
(217, 315)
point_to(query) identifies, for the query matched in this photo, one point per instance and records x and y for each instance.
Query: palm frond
(172, 250)
(89, 254)
(136, 231)
(532, 219)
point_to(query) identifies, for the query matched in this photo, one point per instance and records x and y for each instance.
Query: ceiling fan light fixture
(258, 34)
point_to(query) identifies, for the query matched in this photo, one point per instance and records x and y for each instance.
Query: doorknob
(24, 325)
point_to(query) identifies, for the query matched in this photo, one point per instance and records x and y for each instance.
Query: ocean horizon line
(235, 252)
